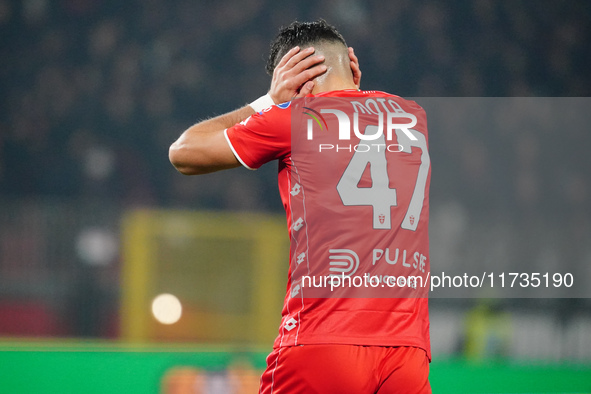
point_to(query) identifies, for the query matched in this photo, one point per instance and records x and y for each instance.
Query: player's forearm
(221, 122)
(201, 149)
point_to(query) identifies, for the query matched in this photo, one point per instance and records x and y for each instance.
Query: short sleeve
(262, 137)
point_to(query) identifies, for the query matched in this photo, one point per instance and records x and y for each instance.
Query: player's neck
(331, 83)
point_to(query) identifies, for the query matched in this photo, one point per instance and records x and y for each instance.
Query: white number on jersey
(380, 196)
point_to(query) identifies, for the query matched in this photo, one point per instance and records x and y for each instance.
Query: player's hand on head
(355, 67)
(293, 75)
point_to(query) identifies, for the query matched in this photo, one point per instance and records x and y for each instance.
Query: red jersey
(354, 174)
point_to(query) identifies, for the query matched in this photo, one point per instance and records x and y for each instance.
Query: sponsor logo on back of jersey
(343, 261)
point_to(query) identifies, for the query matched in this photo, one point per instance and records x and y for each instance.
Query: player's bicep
(202, 153)
(262, 137)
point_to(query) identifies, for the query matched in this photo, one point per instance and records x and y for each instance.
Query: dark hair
(301, 34)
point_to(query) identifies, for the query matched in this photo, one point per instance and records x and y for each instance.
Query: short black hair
(301, 34)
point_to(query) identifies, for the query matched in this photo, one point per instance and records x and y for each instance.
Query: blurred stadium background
(95, 222)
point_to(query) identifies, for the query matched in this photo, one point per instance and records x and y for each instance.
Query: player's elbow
(180, 158)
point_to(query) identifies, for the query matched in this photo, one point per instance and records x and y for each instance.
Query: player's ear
(355, 67)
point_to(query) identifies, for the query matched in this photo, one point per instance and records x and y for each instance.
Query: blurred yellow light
(167, 308)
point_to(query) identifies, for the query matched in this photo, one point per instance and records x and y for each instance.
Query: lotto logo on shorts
(290, 324)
